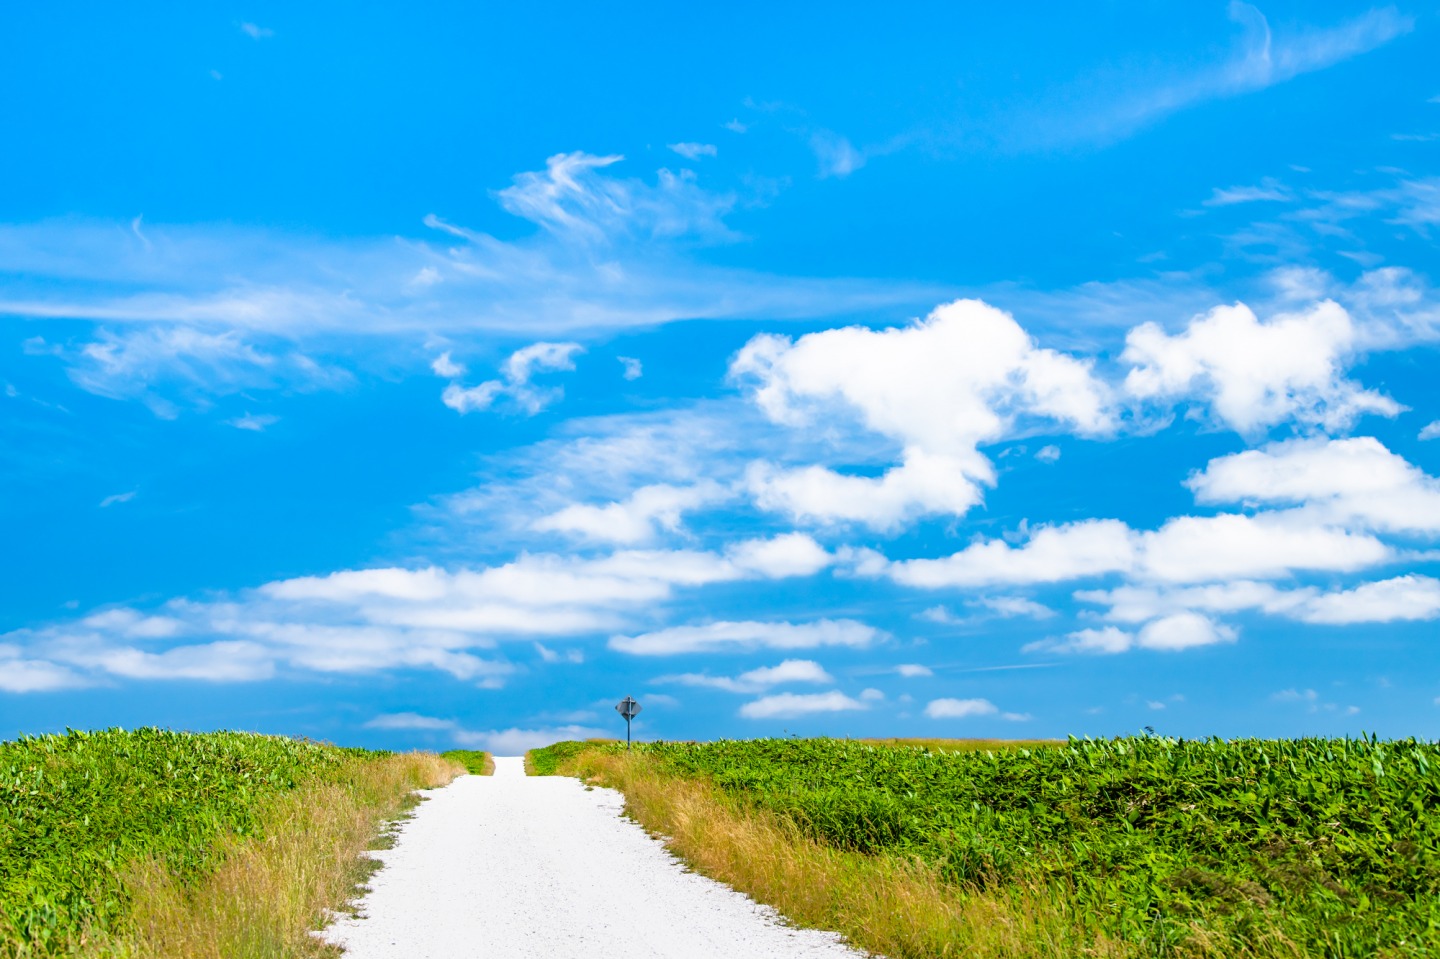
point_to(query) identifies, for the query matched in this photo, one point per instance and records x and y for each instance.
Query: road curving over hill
(519, 867)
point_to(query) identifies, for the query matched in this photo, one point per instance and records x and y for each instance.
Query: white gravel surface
(521, 866)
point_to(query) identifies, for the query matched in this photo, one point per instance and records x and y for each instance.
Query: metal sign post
(628, 708)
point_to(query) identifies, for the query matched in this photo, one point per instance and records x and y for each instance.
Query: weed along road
(519, 866)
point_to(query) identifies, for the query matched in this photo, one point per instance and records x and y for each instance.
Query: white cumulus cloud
(1106, 640)
(1014, 606)
(1139, 604)
(964, 375)
(1351, 482)
(787, 705)
(638, 518)
(21, 675)
(444, 365)
(756, 680)
(1183, 631)
(959, 708)
(1254, 374)
(408, 721)
(1191, 549)
(1173, 632)
(1410, 597)
(392, 619)
(1052, 554)
(789, 554)
(1186, 549)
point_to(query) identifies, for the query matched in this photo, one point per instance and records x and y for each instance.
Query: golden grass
(897, 907)
(268, 894)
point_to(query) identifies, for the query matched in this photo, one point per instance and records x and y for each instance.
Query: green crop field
(1333, 845)
(75, 809)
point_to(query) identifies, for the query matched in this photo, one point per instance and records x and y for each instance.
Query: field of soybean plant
(89, 818)
(1311, 847)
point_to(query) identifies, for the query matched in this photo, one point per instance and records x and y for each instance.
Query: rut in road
(518, 866)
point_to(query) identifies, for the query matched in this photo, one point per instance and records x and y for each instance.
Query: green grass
(76, 809)
(548, 760)
(476, 763)
(963, 745)
(1174, 847)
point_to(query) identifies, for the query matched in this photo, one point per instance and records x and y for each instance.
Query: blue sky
(438, 379)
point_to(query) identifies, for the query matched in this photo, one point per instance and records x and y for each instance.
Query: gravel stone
(520, 866)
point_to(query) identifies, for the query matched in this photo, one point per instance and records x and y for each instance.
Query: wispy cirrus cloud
(747, 635)
(572, 200)
(1312, 701)
(254, 423)
(1268, 191)
(514, 741)
(164, 363)
(226, 278)
(836, 155)
(693, 151)
(1261, 58)
(515, 383)
(186, 301)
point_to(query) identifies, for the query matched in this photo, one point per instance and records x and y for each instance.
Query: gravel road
(517, 866)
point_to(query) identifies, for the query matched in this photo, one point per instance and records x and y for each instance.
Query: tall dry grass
(883, 903)
(268, 895)
(886, 904)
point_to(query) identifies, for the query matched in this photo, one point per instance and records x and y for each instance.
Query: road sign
(628, 708)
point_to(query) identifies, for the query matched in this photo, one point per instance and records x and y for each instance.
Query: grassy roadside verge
(557, 758)
(161, 844)
(1140, 847)
(895, 906)
(476, 763)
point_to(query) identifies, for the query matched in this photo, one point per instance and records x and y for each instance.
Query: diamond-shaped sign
(628, 708)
